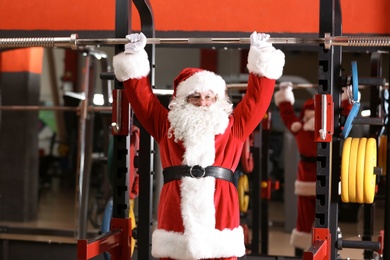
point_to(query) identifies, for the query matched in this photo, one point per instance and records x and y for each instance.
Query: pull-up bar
(74, 42)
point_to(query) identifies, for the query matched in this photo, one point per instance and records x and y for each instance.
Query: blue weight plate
(348, 123)
(355, 83)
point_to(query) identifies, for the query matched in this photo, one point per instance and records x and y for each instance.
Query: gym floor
(57, 211)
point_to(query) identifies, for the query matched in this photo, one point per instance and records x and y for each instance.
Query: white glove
(286, 85)
(137, 42)
(259, 40)
(285, 93)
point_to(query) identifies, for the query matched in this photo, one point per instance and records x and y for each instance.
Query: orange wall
(57, 15)
(22, 60)
(282, 16)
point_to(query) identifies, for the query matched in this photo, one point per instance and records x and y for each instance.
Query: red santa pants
(306, 213)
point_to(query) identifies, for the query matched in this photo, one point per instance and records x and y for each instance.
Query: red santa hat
(191, 80)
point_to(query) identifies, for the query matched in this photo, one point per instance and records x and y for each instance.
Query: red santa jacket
(206, 216)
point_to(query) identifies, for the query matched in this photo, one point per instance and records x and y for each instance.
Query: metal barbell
(74, 42)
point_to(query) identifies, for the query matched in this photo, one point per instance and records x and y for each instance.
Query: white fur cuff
(211, 244)
(267, 62)
(303, 188)
(300, 239)
(130, 66)
(284, 95)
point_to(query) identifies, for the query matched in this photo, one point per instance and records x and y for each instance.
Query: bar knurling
(368, 41)
(27, 42)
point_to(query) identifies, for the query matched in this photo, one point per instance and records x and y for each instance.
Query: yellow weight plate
(369, 176)
(243, 189)
(133, 224)
(344, 169)
(352, 169)
(360, 170)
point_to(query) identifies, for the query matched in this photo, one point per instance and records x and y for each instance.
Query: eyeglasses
(201, 99)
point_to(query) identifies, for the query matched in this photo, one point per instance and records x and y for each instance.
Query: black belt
(308, 158)
(196, 171)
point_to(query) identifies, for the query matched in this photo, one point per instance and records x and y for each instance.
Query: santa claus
(201, 139)
(302, 127)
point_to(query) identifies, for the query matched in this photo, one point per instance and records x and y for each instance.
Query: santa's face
(196, 124)
(202, 99)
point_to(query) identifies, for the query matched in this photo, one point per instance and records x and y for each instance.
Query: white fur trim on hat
(200, 238)
(131, 66)
(202, 81)
(300, 239)
(304, 188)
(284, 95)
(267, 62)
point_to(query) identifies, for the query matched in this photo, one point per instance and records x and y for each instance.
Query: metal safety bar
(74, 42)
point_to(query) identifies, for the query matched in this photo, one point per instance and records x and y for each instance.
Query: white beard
(197, 127)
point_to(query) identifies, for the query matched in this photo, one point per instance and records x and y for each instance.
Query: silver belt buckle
(200, 168)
